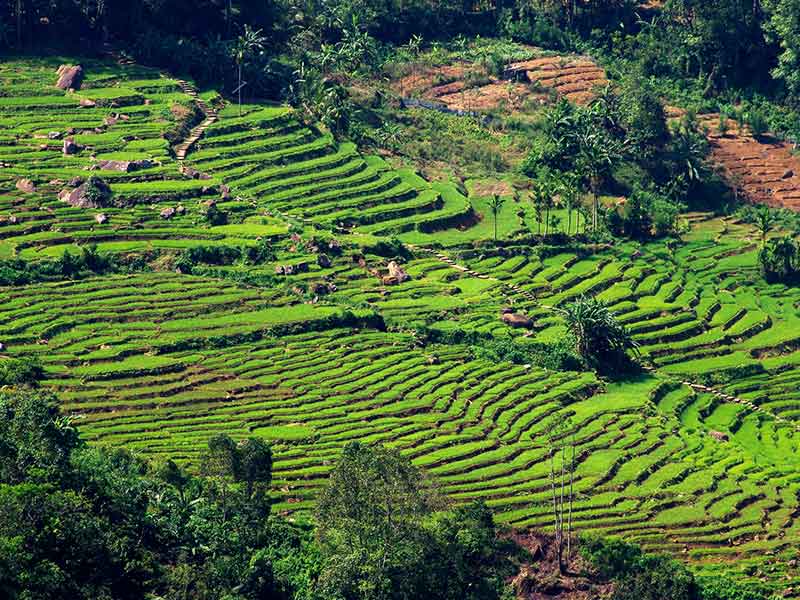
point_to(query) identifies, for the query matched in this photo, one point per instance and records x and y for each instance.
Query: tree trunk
(240, 89)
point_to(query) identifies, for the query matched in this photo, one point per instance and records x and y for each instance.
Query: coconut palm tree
(599, 338)
(247, 44)
(495, 205)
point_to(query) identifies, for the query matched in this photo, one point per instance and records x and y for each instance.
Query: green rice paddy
(158, 361)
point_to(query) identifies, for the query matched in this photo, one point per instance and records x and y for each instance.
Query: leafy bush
(20, 371)
(779, 260)
(645, 214)
(757, 121)
(558, 356)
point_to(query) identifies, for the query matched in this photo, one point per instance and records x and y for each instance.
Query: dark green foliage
(558, 356)
(20, 371)
(637, 575)
(97, 191)
(657, 578)
(262, 252)
(81, 523)
(779, 260)
(645, 214)
(381, 538)
(597, 336)
(68, 266)
(213, 215)
(35, 441)
(611, 557)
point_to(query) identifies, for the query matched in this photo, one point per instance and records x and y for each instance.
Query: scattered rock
(225, 191)
(54, 135)
(320, 289)
(788, 174)
(70, 77)
(323, 261)
(124, 166)
(517, 320)
(179, 210)
(167, 213)
(75, 181)
(194, 173)
(70, 147)
(94, 193)
(719, 436)
(86, 103)
(26, 185)
(397, 272)
(334, 246)
(100, 218)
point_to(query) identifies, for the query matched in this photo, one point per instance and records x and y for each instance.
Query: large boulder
(323, 261)
(194, 173)
(719, 436)
(93, 193)
(70, 147)
(70, 77)
(26, 185)
(517, 320)
(124, 166)
(397, 272)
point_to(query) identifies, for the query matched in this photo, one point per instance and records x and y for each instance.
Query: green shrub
(20, 371)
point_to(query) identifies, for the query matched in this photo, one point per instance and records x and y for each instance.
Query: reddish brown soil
(574, 78)
(765, 170)
(540, 578)
(448, 85)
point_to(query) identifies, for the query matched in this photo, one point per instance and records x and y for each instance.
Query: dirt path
(182, 149)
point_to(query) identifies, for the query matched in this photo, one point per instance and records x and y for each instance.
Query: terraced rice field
(764, 170)
(327, 351)
(572, 77)
(575, 78)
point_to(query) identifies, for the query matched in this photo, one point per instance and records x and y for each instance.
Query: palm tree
(599, 338)
(597, 154)
(784, 251)
(495, 204)
(764, 221)
(247, 44)
(540, 195)
(569, 198)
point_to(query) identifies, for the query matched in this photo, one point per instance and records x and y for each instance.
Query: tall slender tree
(496, 205)
(247, 44)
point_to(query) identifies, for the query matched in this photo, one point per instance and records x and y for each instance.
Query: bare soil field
(766, 170)
(464, 86)
(572, 77)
